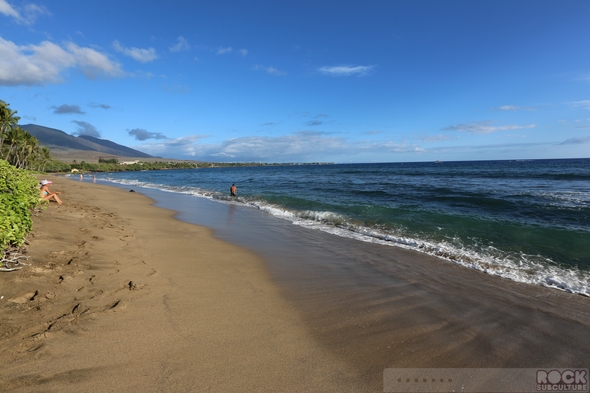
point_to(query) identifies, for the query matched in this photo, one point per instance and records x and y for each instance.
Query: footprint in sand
(24, 298)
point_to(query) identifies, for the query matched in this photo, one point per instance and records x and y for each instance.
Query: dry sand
(120, 296)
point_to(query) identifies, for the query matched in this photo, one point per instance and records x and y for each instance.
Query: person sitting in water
(46, 194)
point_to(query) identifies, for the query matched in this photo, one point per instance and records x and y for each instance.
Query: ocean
(523, 220)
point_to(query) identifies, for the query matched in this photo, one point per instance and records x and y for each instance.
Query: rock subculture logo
(562, 381)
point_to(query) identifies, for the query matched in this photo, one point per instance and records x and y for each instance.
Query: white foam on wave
(569, 199)
(524, 270)
(520, 268)
(180, 190)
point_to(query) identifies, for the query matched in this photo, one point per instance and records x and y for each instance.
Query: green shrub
(19, 194)
(57, 166)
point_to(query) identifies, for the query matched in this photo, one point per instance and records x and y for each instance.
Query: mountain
(58, 142)
(112, 146)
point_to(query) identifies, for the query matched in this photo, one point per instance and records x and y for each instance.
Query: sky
(306, 81)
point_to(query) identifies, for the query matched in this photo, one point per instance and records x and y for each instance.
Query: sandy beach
(121, 295)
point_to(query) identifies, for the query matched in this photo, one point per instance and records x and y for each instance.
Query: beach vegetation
(56, 166)
(107, 165)
(102, 160)
(19, 195)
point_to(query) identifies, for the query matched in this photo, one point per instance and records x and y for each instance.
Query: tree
(8, 120)
(44, 157)
(13, 138)
(29, 146)
(17, 146)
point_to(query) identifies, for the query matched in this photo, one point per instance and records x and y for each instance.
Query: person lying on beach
(46, 194)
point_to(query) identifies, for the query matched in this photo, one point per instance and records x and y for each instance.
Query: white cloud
(174, 147)
(181, 45)
(269, 70)
(141, 55)
(42, 64)
(8, 10)
(302, 146)
(27, 15)
(92, 62)
(484, 127)
(177, 88)
(223, 51)
(243, 52)
(435, 138)
(346, 70)
(584, 104)
(507, 108)
(513, 108)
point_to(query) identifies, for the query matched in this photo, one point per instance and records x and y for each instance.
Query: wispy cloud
(142, 135)
(484, 127)
(346, 70)
(177, 88)
(8, 10)
(435, 138)
(223, 51)
(583, 103)
(269, 70)
(85, 128)
(42, 64)
(174, 147)
(26, 15)
(316, 121)
(141, 55)
(513, 108)
(577, 141)
(67, 110)
(181, 45)
(102, 106)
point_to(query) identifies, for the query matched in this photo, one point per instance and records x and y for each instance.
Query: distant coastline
(113, 165)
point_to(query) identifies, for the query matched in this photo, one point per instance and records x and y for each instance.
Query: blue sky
(302, 81)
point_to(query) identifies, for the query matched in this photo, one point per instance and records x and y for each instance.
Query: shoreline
(121, 294)
(498, 233)
(404, 308)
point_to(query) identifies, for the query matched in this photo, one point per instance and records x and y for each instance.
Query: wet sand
(121, 295)
(379, 306)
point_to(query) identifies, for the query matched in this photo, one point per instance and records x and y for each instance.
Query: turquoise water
(528, 221)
